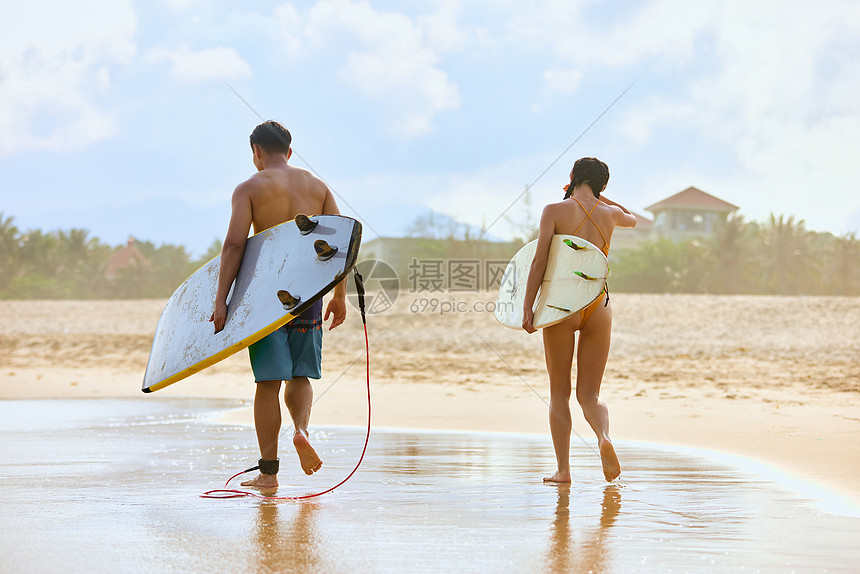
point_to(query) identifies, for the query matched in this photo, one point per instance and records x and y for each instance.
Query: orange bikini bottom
(587, 312)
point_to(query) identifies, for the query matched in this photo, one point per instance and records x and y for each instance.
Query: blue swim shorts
(294, 350)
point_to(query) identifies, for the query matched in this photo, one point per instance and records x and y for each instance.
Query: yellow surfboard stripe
(220, 356)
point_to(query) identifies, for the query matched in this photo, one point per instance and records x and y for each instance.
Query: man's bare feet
(558, 477)
(263, 481)
(611, 466)
(307, 455)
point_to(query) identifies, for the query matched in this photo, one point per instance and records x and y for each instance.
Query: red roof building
(128, 256)
(693, 198)
(689, 213)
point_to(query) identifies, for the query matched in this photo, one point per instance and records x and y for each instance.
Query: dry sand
(776, 379)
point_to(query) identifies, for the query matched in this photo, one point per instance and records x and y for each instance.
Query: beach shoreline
(679, 374)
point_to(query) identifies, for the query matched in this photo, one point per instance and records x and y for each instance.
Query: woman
(583, 213)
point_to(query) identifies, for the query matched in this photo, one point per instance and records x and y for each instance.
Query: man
(275, 194)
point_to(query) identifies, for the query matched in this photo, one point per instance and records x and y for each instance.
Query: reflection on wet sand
(593, 552)
(286, 537)
(558, 557)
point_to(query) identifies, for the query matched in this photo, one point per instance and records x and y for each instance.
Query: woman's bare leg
(558, 342)
(593, 351)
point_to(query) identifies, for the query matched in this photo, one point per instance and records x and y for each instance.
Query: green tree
(39, 259)
(81, 259)
(434, 225)
(57, 264)
(167, 266)
(210, 254)
(729, 254)
(10, 244)
(652, 267)
(842, 266)
(691, 269)
(785, 264)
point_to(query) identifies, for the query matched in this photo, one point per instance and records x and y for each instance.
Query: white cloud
(660, 29)
(92, 28)
(664, 31)
(777, 88)
(650, 114)
(574, 45)
(542, 22)
(203, 65)
(52, 69)
(391, 58)
(291, 26)
(562, 81)
(441, 28)
(181, 4)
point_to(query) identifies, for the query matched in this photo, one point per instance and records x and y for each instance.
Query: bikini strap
(588, 216)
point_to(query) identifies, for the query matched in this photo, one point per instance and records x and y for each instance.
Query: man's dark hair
(589, 170)
(272, 137)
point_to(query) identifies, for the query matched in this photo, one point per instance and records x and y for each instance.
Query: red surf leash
(230, 493)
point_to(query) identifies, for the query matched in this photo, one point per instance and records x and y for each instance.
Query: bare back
(570, 219)
(277, 194)
(582, 215)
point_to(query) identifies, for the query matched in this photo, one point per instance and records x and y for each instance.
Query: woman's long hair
(588, 170)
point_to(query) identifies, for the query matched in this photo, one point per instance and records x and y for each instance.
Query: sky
(132, 118)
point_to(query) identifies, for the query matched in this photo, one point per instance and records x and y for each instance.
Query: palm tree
(728, 253)
(10, 243)
(692, 268)
(40, 260)
(843, 270)
(785, 264)
(81, 257)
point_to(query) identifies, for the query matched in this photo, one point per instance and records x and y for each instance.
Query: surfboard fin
(287, 300)
(305, 223)
(584, 276)
(574, 246)
(324, 250)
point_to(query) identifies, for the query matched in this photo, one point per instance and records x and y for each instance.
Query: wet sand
(113, 485)
(103, 478)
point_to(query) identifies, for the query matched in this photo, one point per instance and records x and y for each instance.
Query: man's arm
(329, 204)
(232, 252)
(337, 306)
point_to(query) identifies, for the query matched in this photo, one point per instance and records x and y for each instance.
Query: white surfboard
(575, 276)
(280, 277)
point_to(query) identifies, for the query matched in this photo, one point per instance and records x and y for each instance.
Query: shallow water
(113, 485)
